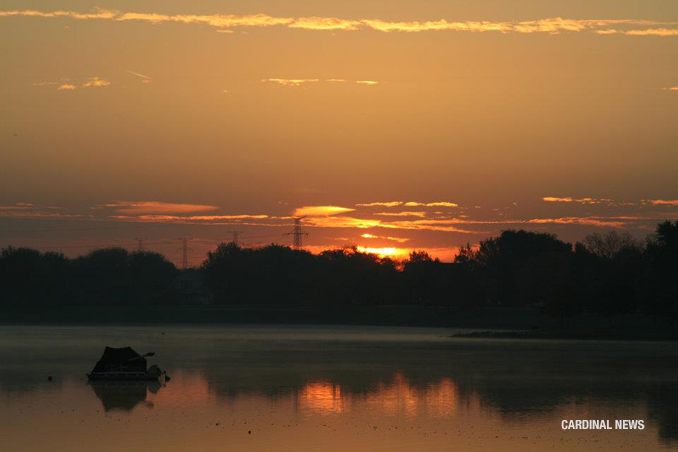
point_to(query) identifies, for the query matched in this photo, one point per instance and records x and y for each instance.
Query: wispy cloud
(23, 210)
(188, 218)
(144, 78)
(402, 214)
(70, 85)
(630, 27)
(290, 82)
(95, 82)
(673, 88)
(156, 207)
(441, 204)
(320, 210)
(576, 200)
(18, 206)
(381, 204)
(664, 202)
(393, 239)
(324, 23)
(19, 214)
(409, 204)
(362, 223)
(367, 82)
(653, 32)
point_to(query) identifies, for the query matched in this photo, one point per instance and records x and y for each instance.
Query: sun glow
(382, 252)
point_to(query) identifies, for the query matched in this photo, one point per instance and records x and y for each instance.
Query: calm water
(332, 389)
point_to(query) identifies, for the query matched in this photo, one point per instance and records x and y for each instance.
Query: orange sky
(391, 124)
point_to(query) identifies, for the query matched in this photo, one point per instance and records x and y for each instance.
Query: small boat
(123, 364)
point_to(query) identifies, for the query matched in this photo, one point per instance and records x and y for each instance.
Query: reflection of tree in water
(124, 395)
(663, 411)
(515, 381)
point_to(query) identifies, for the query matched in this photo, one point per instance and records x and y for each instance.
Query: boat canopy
(118, 359)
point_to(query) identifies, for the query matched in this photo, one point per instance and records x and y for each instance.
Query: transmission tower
(141, 244)
(184, 249)
(235, 235)
(297, 233)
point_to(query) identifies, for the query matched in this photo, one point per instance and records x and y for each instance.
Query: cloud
(335, 80)
(576, 200)
(589, 221)
(653, 32)
(189, 218)
(394, 239)
(320, 211)
(68, 85)
(382, 204)
(361, 223)
(402, 214)
(38, 215)
(290, 82)
(554, 199)
(18, 206)
(630, 27)
(664, 202)
(324, 23)
(98, 13)
(342, 222)
(441, 204)
(23, 210)
(156, 207)
(95, 82)
(409, 204)
(367, 82)
(673, 88)
(214, 20)
(226, 31)
(145, 78)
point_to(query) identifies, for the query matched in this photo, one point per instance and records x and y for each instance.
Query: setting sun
(383, 252)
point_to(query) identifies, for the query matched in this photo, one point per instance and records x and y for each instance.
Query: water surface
(250, 388)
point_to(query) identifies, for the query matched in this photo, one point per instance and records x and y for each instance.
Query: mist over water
(292, 388)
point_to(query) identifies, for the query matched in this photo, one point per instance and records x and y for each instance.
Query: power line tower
(297, 233)
(235, 235)
(184, 249)
(140, 248)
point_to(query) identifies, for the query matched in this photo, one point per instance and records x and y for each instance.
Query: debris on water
(249, 432)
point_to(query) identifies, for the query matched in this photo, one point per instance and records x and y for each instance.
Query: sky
(390, 125)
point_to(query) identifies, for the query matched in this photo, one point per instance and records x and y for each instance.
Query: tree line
(611, 274)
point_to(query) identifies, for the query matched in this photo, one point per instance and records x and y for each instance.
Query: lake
(330, 388)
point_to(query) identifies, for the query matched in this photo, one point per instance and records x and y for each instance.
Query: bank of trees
(610, 274)
(111, 276)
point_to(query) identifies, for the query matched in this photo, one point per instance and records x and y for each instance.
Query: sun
(381, 252)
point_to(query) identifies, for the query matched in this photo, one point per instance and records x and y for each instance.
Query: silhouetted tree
(662, 249)
(611, 275)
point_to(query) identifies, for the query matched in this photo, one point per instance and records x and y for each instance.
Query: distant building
(190, 288)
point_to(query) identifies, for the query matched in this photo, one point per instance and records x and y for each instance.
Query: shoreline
(574, 335)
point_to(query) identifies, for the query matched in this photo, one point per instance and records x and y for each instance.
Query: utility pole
(184, 249)
(297, 234)
(235, 235)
